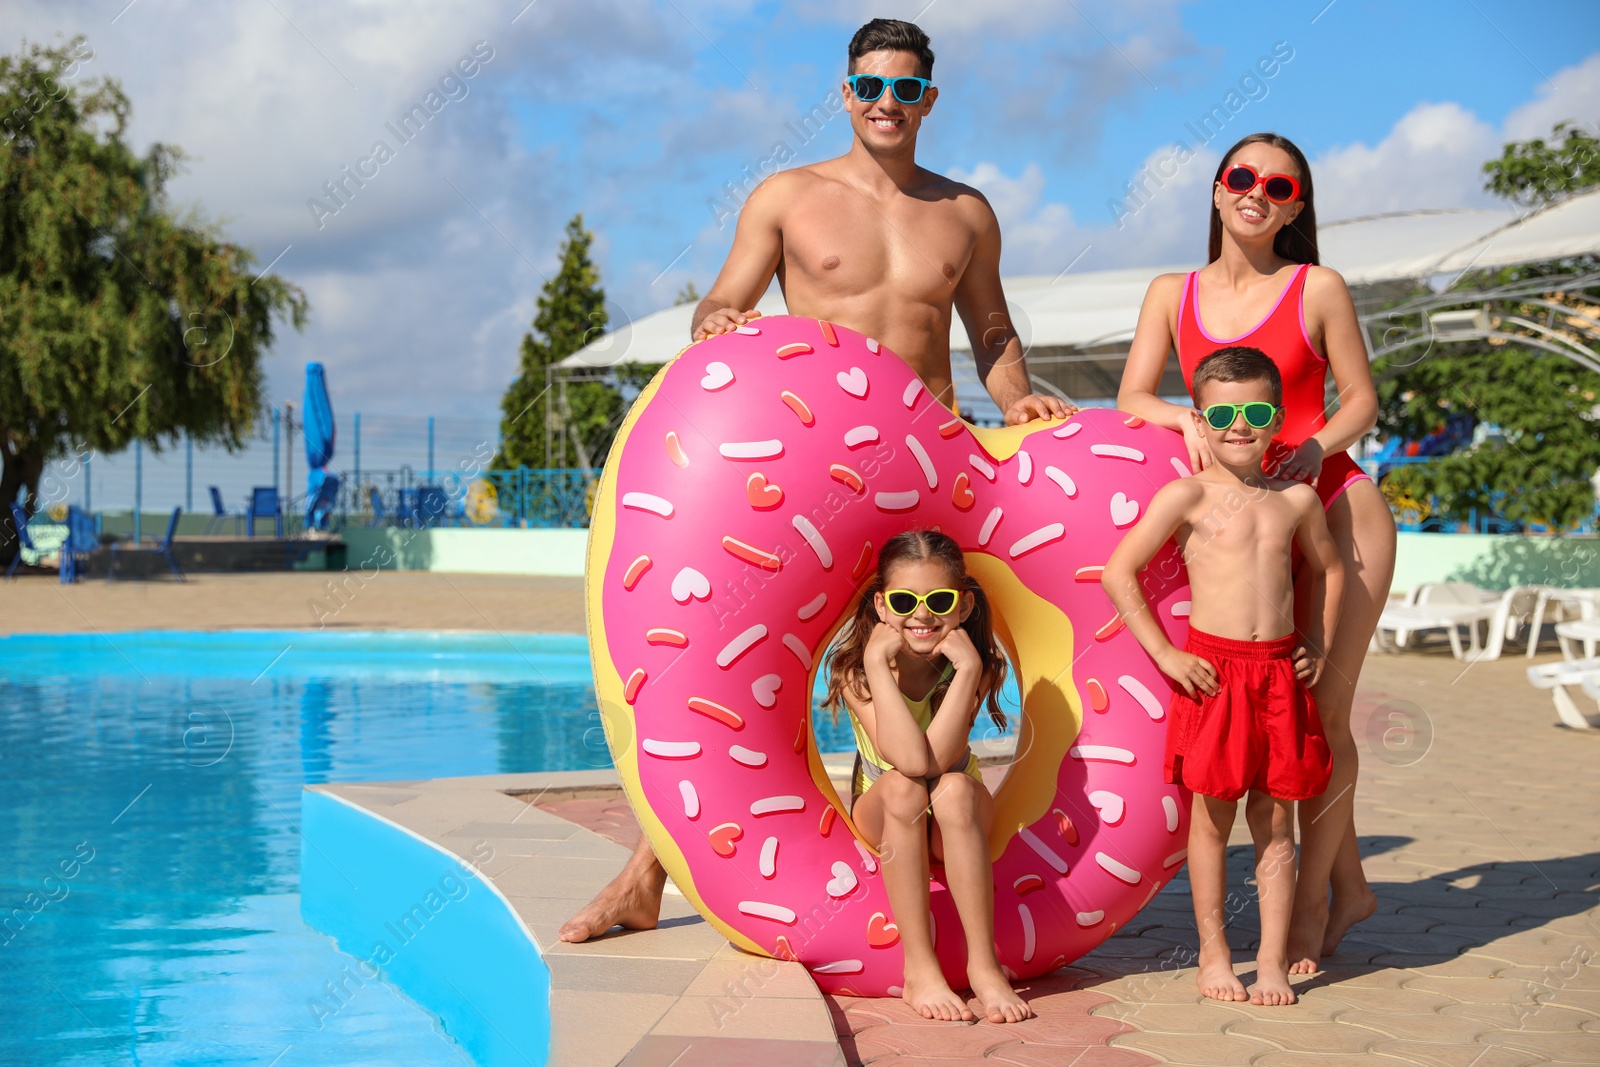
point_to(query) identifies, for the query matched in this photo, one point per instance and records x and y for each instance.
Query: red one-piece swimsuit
(1282, 336)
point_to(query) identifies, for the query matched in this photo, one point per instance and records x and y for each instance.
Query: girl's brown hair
(1297, 241)
(845, 664)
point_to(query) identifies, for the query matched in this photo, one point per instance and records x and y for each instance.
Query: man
(874, 242)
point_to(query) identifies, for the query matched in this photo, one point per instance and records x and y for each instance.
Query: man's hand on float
(1038, 406)
(723, 320)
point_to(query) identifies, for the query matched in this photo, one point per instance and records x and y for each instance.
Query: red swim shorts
(1261, 731)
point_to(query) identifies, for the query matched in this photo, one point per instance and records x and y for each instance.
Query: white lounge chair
(1565, 605)
(1452, 606)
(1564, 679)
(1585, 632)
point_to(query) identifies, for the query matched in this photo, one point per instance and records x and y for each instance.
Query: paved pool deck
(1480, 831)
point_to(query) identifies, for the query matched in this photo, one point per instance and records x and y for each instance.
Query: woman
(1263, 287)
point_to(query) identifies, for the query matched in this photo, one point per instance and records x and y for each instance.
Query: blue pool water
(149, 839)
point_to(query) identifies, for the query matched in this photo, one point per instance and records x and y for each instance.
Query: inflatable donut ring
(738, 516)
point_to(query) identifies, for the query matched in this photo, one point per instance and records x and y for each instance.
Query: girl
(1263, 287)
(912, 668)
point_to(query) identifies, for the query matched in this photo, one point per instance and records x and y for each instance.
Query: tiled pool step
(678, 994)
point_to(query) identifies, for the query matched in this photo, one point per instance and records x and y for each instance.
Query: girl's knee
(955, 799)
(904, 799)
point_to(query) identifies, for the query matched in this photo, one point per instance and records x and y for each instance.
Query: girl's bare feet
(1272, 984)
(628, 900)
(931, 997)
(1317, 933)
(1217, 980)
(1000, 1002)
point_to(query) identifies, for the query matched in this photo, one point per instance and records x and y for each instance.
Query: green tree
(687, 295)
(560, 425)
(120, 319)
(1546, 408)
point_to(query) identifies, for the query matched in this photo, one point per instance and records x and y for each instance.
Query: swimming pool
(149, 839)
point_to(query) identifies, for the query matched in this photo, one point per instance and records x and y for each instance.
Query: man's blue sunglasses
(868, 87)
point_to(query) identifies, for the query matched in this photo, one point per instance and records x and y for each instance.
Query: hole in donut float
(724, 633)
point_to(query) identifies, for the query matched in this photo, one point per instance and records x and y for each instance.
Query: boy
(1244, 720)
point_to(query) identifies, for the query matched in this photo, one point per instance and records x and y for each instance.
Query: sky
(655, 117)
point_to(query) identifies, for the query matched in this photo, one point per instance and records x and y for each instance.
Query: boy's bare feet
(625, 901)
(1272, 984)
(1217, 980)
(931, 997)
(1000, 1002)
(1314, 934)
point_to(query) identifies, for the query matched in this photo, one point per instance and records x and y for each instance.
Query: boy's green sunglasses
(904, 602)
(1257, 413)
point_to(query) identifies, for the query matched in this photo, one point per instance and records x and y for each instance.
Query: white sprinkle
(1110, 806)
(1180, 466)
(1176, 858)
(1089, 918)
(1068, 430)
(913, 391)
(1045, 852)
(1181, 609)
(1063, 479)
(844, 880)
(751, 449)
(777, 805)
(813, 538)
(861, 435)
(1138, 691)
(671, 749)
(897, 501)
(873, 346)
(740, 645)
(646, 502)
(1116, 869)
(923, 461)
(747, 330)
(798, 647)
(840, 967)
(1038, 539)
(760, 910)
(809, 610)
(1117, 452)
(1170, 806)
(987, 531)
(1024, 468)
(1027, 932)
(747, 756)
(769, 857)
(868, 860)
(765, 689)
(1101, 753)
(982, 466)
(691, 799)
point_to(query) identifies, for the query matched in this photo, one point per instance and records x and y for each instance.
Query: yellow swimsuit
(870, 765)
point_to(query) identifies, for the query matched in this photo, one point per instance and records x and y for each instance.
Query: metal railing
(520, 498)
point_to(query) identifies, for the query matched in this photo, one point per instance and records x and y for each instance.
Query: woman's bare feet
(1314, 934)
(632, 899)
(1217, 980)
(1272, 984)
(1000, 1002)
(931, 997)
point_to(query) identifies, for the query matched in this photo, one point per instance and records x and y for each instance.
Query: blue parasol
(319, 428)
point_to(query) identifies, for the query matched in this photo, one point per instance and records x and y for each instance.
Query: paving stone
(628, 1016)
(1293, 1033)
(752, 976)
(1032, 1055)
(792, 1019)
(1197, 1016)
(1406, 1001)
(1215, 1049)
(612, 975)
(1584, 1000)
(655, 1050)
(1578, 1047)
(1585, 978)
(1478, 990)
(1430, 1026)
(932, 1040)
(1440, 1054)
(1541, 1018)
(1466, 965)
(1313, 1059)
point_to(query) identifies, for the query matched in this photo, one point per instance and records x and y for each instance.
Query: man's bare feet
(1314, 934)
(931, 997)
(1272, 984)
(625, 901)
(1217, 980)
(1000, 1002)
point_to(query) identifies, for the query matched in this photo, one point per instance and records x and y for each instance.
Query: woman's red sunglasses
(1279, 188)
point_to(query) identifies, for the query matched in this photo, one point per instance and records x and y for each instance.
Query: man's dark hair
(895, 36)
(1238, 363)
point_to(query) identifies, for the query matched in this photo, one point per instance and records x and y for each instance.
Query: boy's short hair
(1237, 363)
(895, 36)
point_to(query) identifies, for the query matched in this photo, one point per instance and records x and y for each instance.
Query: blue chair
(83, 537)
(19, 520)
(323, 503)
(162, 548)
(422, 505)
(264, 503)
(377, 506)
(220, 513)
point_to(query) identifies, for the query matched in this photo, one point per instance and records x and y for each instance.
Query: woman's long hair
(845, 664)
(1297, 241)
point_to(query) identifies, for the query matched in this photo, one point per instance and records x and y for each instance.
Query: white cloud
(1571, 94)
(1432, 158)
